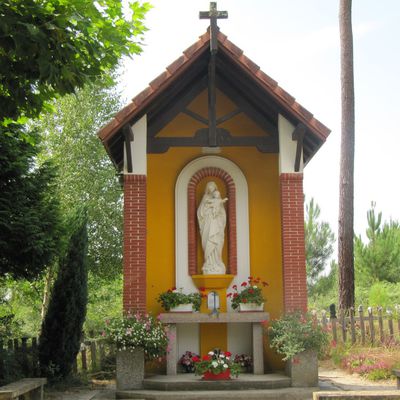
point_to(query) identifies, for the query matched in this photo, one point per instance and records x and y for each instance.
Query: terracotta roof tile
(272, 83)
(142, 96)
(282, 93)
(250, 64)
(191, 50)
(301, 110)
(125, 112)
(236, 51)
(325, 131)
(106, 130)
(173, 67)
(156, 83)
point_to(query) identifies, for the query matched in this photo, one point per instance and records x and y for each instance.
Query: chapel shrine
(211, 155)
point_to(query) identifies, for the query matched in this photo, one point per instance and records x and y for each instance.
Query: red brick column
(293, 246)
(134, 257)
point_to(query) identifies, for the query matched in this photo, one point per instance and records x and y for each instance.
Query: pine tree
(62, 326)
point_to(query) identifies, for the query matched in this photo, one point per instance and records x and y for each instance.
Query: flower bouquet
(249, 294)
(245, 361)
(187, 361)
(216, 365)
(173, 298)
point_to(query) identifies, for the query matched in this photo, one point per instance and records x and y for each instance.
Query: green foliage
(319, 240)
(138, 331)
(105, 300)
(51, 47)
(379, 259)
(172, 298)
(29, 217)
(296, 332)
(250, 293)
(62, 326)
(86, 174)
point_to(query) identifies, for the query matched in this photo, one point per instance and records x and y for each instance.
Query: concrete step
(265, 394)
(187, 382)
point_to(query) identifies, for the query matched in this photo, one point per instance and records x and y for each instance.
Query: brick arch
(231, 268)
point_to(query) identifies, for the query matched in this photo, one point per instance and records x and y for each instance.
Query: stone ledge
(233, 317)
(358, 395)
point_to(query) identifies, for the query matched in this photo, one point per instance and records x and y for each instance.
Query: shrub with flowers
(174, 297)
(187, 361)
(138, 331)
(249, 292)
(296, 332)
(216, 362)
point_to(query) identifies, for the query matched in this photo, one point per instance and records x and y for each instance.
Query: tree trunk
(346, 189)
(47, 289)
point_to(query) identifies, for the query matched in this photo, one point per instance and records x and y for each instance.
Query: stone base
(130, 369)
(303, 369)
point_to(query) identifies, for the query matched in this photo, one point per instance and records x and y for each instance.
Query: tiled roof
(174, 70)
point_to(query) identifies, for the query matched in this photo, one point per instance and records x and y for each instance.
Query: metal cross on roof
(213, 15)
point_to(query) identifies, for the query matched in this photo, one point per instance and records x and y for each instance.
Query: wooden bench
(24, 389)
(396, 373)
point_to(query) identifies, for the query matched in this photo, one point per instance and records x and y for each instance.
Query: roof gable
(237, 76)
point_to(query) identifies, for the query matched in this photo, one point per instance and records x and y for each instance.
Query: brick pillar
(293, 246)
(134, 257)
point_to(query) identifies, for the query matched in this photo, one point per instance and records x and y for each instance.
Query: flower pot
(303, 369)
(183, 308)
(247, 307)
(130, 369)
(209, 376)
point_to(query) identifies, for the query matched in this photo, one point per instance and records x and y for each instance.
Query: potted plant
(245, 361)
(187, 361)
(216, 365)
(299, 338)
(176, 301)
(136, 337)
(249, 297)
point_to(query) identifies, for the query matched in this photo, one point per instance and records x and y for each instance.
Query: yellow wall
(261, 172)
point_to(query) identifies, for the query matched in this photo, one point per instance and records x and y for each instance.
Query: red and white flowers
(251, 292)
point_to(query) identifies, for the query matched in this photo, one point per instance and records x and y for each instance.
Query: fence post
(362, 324)
(343, 323)
(102, 353)
(371, 325)
(352, 326)
(390, 324)
(380, 322)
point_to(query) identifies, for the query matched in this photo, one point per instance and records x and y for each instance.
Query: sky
(296, 42)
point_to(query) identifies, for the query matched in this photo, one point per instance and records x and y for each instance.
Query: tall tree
(29, 210)
(346, 185)
(62, 326)
(379, 259)
(319, 240)
(86, 174)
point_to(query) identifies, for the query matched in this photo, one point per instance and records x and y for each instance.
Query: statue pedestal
(213, 283)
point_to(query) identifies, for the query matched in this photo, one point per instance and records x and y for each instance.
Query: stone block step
(187, 382)
(266, 394)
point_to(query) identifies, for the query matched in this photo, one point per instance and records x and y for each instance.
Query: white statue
(212, 220)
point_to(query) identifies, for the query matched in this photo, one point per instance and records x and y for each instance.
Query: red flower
(243, 284)
(250, 278)
(234, 287)
(229, 295)
(174, 288)
(251, 291)
(235, 295)
(228, 353)
(244, 300)
(206, 358)
(195, 359)
(169, 291)
(202, 289)
(264, 323)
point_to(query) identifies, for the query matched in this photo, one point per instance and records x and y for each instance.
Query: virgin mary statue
(211, 216)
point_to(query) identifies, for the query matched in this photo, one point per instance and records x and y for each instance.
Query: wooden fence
(371, 326)
(19, 358)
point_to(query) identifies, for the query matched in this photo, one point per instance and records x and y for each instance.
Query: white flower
(214, 364)
(210, 353)
(225, 366)
(254, 287)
